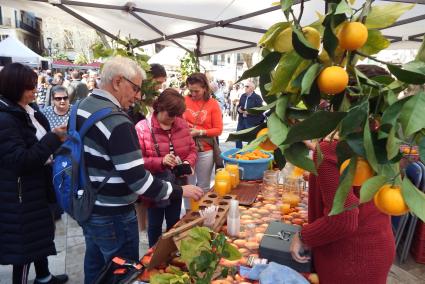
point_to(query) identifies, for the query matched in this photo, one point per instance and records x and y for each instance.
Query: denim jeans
(242, 124)
(156, 217)
(107, 237)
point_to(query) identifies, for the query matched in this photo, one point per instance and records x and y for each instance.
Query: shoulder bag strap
(155, 143)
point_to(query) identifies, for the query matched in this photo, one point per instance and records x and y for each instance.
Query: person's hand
(240, 110)
(195, 132)
(169, 160)
(61, 132)
(296, 248)
(192, 191)
(245, 112)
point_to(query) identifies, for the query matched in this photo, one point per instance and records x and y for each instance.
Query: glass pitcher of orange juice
(234, 171)
(291, 194)
(223, 176)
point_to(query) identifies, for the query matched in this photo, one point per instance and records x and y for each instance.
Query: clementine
(363, 171)
(266, 145)
(332, 80)
(352, 36)
(389, 200)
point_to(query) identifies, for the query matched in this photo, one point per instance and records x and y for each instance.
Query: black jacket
(253, 101)
(26, 223)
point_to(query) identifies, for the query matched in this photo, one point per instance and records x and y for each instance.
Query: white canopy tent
(204, 26)
(19, 52)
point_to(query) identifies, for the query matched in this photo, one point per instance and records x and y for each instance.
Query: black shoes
(56, 279)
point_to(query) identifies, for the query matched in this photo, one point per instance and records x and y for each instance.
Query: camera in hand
(182, 169)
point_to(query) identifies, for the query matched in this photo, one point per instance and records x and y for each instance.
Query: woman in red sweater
(165, 142)
(356, 246)
(204, 116)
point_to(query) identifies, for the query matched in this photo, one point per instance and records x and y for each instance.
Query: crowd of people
(154, 162)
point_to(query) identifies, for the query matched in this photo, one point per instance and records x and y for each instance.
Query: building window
(3, 37)
(1, 17)
(68, 40)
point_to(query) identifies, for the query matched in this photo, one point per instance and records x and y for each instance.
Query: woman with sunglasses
(166, 146)
(26, 143)
(58, 113)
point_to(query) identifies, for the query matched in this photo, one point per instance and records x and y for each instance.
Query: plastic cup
(194, 205)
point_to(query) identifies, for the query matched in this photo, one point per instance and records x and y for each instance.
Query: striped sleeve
(127, 158)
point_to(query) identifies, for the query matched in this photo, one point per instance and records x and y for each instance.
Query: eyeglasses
(136, 88)
(58, 99)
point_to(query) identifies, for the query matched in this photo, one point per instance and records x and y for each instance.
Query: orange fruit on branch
(389, 200)
(266, 145)
(363, 171)
(352, 36)
(332, 80)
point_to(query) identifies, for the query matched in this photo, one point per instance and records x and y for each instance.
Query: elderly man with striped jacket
(111, 149)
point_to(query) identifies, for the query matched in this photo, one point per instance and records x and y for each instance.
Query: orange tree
(126, 48)
(289, 83)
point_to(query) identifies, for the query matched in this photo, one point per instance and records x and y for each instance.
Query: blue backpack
(74, 192)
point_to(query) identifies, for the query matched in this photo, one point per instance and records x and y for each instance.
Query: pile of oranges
(250, 155)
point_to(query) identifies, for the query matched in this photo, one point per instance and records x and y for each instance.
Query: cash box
(276, 248)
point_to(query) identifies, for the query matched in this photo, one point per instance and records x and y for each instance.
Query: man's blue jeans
(107, 237)
(242, 124)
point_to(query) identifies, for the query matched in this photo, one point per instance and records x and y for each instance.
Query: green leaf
(393, 144)
(288, 63)
(412, 117)
(414, 198)
(375, 43)
(330, 41)
(261, 109)
(421, 146)
(355, 119)
(318, 125)
(343, 8)
(286, 4)
(297, 113)
(254, 143)
(277, 129)
(370, 187)
(302, 46)
(370, 151)
(391, 114)
(298, 155)
(269, 36)
(282, 103)
(264, 81)
(309, 78)
(355, 141)
(231, 251)
(421, 52)
(412, 75)
(383, 16)
(279, 158)
(248, 134)
(344, 187)
(264, 66)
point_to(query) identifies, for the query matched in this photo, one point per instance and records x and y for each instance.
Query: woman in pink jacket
(166, 142)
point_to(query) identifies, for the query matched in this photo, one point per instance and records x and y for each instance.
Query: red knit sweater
(356, 246)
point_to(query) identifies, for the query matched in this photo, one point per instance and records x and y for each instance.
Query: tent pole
(227, 38)
(87, 22)
(198, 49)
(229, 50)
(223, 23)
(152, 27)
